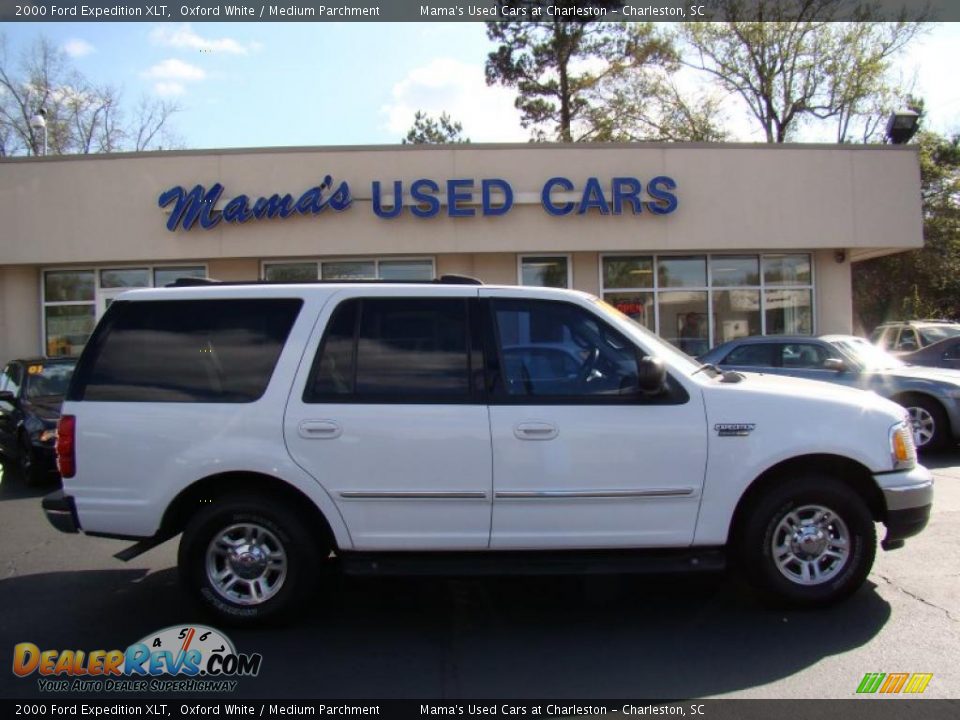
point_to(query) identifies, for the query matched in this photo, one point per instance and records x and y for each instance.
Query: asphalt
(555, 637)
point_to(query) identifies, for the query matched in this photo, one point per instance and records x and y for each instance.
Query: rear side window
(413, 350)
(221, 351)
(757, 355)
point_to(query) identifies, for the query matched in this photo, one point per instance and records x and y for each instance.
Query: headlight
(903, 451)
(48, 435)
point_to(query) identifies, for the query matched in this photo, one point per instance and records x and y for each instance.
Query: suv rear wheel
(809, 542)
(248, 558)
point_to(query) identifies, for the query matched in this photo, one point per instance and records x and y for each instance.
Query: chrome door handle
(319, 429)
(535, 431)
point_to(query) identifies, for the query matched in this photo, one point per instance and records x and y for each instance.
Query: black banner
(473, 11)
(862, 709)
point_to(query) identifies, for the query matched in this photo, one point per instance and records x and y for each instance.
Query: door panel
(386, 419)
(581, 460)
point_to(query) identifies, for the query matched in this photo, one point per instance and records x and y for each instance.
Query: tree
(789, 63)
(80, 117)
(924, 282)
(557, 62)
(427, 130)
(642, 106)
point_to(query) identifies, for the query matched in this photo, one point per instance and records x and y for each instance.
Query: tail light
(67, 445)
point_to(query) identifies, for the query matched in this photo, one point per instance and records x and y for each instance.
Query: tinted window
(394, 350)
(185, 351)
(952, 352)
(552, 349)
(759, 355)
(908, 340)
(48, 380)
(802, 355)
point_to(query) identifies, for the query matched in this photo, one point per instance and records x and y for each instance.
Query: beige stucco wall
(19, 312)
(834, 294)
(104, 208)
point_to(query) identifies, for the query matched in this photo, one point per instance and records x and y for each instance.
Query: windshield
(46, 380)
(870, 357)
(933, 334)
(659, 348)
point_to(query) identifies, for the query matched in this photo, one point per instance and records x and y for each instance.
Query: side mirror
(7, 396)
(835, 364)
(651, 375)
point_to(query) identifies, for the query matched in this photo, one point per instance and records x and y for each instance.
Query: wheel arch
(851, 473)
(208, 489)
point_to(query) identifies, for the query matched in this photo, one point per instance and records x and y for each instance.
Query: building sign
(423, 198)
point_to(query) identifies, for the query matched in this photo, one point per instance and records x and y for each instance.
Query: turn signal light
(66, 446)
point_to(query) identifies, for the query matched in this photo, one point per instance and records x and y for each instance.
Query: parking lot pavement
(612, 637)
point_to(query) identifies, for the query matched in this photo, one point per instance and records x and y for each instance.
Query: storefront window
(290, 272)
(68, 285)
(789, 312)
(628, 272)
(736, 314)
(406, 270)
(545, 271)
(734, 270)
(637, 305)
(68, 327)
(164, 276)
(682, 272)
(347, 270)
(697, 302)
(683, 320)
(74, 299)
(786, 269)
(365, 270)
(125, 278)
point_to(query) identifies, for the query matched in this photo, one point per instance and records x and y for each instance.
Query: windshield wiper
(708, 366)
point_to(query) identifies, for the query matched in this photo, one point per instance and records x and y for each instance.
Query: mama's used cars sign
(424, 198)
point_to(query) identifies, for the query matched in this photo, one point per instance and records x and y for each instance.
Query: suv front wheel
(809, 542)
(248, 558)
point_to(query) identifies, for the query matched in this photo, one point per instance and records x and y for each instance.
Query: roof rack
(206, 282)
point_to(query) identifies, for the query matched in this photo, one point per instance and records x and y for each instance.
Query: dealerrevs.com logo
(191, 658)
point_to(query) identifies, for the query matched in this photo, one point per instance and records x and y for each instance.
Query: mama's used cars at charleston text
(453, 427)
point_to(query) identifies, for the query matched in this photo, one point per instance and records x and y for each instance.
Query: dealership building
(700, 243)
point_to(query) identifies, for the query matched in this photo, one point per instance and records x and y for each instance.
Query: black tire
(281, 528)
(928, 411)
(30, 471)
(768, 523)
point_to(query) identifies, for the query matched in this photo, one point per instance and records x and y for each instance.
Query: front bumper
(61, 511)
(908, 496)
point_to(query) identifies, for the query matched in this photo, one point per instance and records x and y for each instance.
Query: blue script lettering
(197, 205)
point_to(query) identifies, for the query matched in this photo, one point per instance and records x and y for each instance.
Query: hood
(947, 375)
(804, 390)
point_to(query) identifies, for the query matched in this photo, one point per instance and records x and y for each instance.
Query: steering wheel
(589, 365)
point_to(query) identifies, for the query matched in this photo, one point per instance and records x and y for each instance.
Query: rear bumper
(61, 512)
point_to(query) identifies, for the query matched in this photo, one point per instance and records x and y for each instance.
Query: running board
(525, 562)
(141, 547)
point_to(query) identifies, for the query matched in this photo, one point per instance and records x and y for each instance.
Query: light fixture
(39, 122)
(902, 126)
(840, 256)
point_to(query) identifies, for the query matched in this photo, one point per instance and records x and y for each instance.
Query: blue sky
(266, 84)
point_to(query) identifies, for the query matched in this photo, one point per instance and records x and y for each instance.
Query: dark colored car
(930, 395)
(31, 392)
(942, 354)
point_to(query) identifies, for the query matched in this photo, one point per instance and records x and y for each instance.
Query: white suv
(450, 427)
